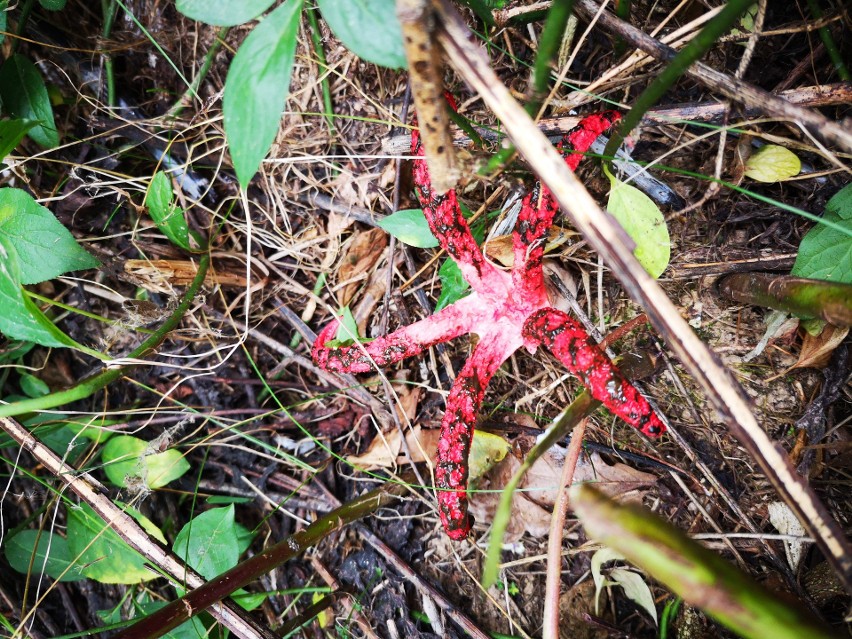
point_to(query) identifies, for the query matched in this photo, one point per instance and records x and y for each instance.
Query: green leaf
(20, 548)
(223, 14)
(257, 87)
(104, 555)
(410, 226)
(368, 28)
(53, 5)
(167, 216)
(825, 252)
(643, 222)
(453, 285)
(45, 248)
(19, 317)
(773, 163)
(127, 459)
(347, 329)
(24, 96)
(32, 386)
(13, 351)
(12, 131)
(212, 542)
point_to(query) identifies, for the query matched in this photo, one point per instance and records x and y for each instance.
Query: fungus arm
(567, 340)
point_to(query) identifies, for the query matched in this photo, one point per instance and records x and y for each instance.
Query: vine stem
(91, 385)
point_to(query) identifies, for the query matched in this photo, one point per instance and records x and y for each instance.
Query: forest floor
(266, 432)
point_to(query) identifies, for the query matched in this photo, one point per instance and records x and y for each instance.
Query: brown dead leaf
(409, 396)
(532, 505)
(162, 276)
(816, 351)
(500, 248)
(360, 254)
(384, 451)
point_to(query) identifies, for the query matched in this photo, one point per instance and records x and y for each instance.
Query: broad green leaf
(33, 386)
(19, 318)
(825, 252)
(643, 222)
(45, 248)
(104, 555)
(773, 163)
(12, 131)
(53, 5)
(127, 460)
(223, 13)
(25, 96)
(347, 329)
(257, 87)
(92, 428)
(368, 28)
(212, 542)
(19, 553)
(747, 19)
(166, 214)
(410, 226)
(486, 450)
(453, 285)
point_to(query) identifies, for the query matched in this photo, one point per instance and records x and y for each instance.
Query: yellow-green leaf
(643, 222)
(773, 163)
(128, 459)
(486, 451)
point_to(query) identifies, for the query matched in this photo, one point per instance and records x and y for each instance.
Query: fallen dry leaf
(816, 351)
(360, 254)
(532, 504)
(384, 451)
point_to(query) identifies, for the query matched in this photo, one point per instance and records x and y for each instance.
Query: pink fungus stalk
(507, 311)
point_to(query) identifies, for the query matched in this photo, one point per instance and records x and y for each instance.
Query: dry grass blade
(608, 239)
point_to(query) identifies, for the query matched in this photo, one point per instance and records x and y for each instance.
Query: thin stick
(554, 539)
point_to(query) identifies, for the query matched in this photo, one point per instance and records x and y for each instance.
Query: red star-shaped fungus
(507, 310)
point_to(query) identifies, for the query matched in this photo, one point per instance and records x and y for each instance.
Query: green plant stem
(192, 89)
(91, 385)
(548, 47)
(830, 44)
(108, 9)
(198, 600)
(693, 51)
(26, 10)
(806, 298)
(622, 10)
(690, 570)
(319, 52)
(464, 124)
